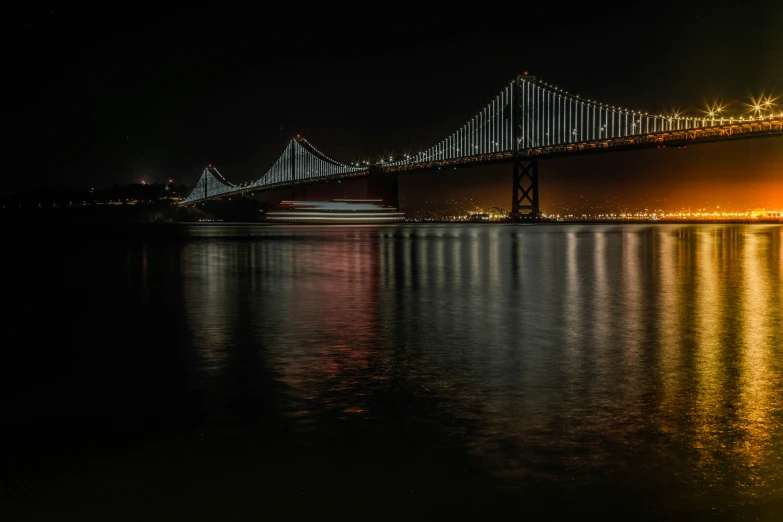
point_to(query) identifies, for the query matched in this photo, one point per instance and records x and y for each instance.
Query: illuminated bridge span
(526, 121)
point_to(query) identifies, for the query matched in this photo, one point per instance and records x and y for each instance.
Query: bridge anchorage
(526, 122)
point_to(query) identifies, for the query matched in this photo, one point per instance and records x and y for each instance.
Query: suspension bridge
(528, 120)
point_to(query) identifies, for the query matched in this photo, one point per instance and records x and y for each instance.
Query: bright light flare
(761, 104)
(769, 103)
(714, 110)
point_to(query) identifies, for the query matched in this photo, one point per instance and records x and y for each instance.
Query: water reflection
(709, 376)
(647, 356)
(211, 292)
(757, 421)
(671, 277)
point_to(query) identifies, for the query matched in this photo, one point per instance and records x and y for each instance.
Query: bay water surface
(416, 371)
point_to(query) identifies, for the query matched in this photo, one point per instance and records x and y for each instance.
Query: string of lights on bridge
(553, 116)
(527, 115)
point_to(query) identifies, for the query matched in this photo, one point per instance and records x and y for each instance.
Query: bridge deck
(769, 127)
(736, 131)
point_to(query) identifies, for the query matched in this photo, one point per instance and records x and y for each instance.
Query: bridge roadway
(527, 121)
(675, 138)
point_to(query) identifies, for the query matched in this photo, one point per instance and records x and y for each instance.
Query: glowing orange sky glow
(737, 176)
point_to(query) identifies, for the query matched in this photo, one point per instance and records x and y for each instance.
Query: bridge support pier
(525, 190)
(383, 185)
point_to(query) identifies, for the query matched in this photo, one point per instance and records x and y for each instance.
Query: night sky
(99, 97)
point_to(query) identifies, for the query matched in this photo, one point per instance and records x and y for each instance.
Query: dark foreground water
(414, 372)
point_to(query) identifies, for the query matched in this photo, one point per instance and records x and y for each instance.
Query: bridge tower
(525, 175)
(298, 190)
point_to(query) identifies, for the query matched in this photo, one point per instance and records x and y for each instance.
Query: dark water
(402, 372)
